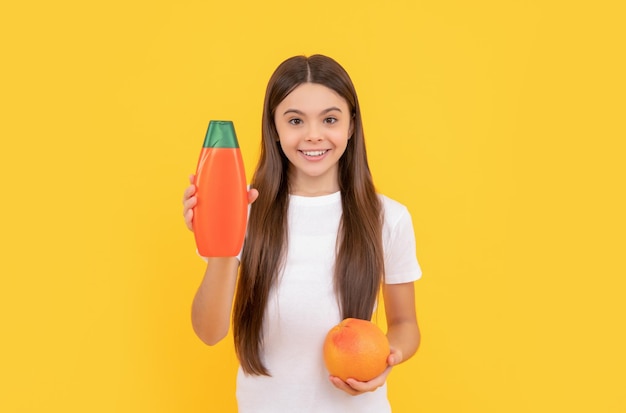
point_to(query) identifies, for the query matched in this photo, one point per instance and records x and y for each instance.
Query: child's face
(314, 124)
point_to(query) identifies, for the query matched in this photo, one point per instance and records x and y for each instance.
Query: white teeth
(314, 153)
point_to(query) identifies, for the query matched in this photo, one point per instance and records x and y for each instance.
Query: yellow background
(500, 124)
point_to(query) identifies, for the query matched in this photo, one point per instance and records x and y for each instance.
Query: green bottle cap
(221, 134)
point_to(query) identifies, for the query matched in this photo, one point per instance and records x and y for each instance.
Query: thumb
(395, 357)
(253, 194)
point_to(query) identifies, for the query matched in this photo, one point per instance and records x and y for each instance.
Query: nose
(314, 133)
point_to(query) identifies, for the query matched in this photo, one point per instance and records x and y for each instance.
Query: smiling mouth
(314, 153)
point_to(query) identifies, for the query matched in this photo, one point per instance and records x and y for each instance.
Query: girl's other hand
(190, 201)
(253, 194)
(355, 387)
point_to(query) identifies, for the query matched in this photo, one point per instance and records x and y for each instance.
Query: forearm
(402, 328)
(405, 337)
(212, 304)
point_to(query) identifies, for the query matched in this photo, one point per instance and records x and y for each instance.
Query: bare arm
(402, 329)
(212, 304)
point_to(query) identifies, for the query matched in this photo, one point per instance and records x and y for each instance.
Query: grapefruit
(356, 348)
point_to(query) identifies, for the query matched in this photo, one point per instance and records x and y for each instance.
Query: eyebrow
(299, 112)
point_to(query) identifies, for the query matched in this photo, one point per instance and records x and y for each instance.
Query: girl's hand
(354, 387)
(190, 201)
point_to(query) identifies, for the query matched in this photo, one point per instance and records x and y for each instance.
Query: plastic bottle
(221, 214)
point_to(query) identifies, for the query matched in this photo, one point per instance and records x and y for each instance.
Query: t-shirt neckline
(315, 200)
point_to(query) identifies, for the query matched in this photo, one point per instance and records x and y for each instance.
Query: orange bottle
(221, 214)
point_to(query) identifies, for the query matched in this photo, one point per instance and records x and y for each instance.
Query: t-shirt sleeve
(401, 263)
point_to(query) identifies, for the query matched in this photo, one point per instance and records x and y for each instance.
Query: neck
(313, 186)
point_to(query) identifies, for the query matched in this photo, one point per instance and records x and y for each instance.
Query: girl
(319, 247)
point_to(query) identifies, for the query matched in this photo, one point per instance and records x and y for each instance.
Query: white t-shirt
(303, 307)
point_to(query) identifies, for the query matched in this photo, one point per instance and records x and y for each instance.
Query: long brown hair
(359, 265)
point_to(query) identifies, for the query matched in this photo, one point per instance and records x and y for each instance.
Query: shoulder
(393, 210)
(401, 264)
(396, 217)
